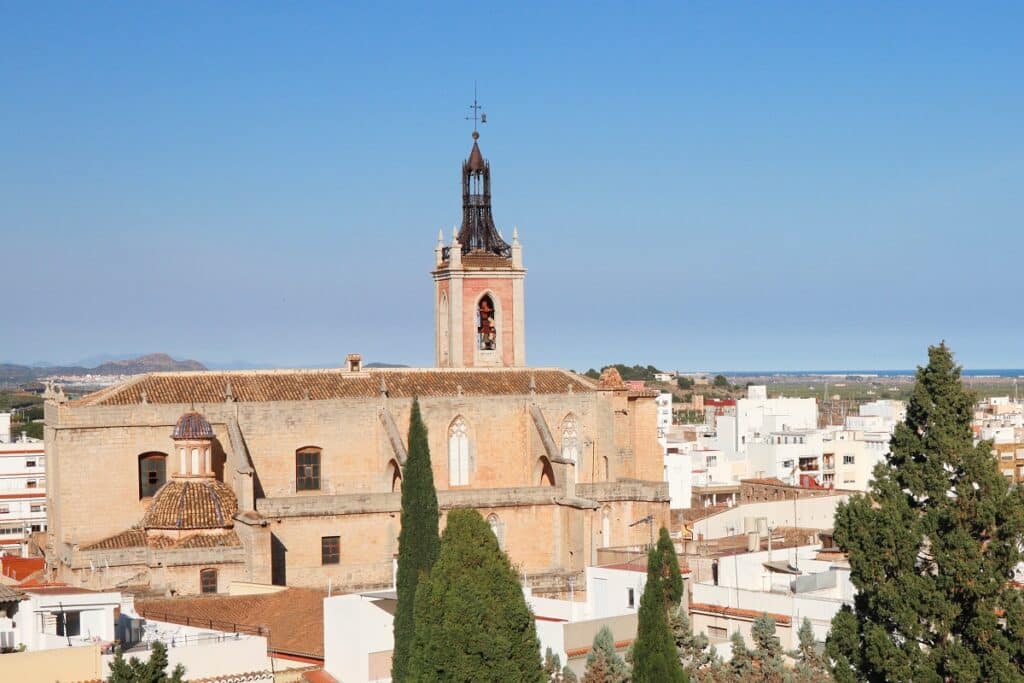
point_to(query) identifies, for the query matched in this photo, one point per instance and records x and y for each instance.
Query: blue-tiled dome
(192, 425)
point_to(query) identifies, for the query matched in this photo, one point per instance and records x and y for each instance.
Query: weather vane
(477, 115)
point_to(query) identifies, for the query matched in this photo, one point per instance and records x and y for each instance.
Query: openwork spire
(478, 232)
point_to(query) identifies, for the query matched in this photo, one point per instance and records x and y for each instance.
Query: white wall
(809, 513)
(353, 628)
(608, 590)
(679, 475)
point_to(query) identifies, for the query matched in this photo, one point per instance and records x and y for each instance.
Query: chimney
(355, 362)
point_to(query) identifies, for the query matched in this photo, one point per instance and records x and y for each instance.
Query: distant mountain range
(13, 374)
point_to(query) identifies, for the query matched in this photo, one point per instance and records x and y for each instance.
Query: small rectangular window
(5, 509)
(208, 581)
(630, 598)
(307, 470)
(718, 632)
(36, 508)
(30, 463)
(31, 484)
(37, 527)
(69, 623)
(848, 459)
(330, 550)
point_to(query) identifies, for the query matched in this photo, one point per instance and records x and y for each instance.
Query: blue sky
(714, 185)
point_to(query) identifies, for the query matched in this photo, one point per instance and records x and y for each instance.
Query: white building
(794, 583)
(22, 493)
(359, 637)
(50, 617)
(664, 413)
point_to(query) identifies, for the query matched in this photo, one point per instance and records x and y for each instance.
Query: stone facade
(549, 511)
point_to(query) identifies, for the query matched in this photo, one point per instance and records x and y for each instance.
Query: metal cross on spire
(476, 116)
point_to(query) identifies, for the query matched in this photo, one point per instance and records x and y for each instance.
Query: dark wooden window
(208, 581)
(330, 550)
(69, 623)
(307, 469)
(152, 473)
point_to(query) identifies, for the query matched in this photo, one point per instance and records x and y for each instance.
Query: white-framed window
(630, 598)
(570, 439)
(5, 509)
(848, 460)
(37, 507)
(458, 453)
(30, 463)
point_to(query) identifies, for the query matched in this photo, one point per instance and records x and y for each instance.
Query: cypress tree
(654, 651)
(417, 541)
(931, 548)
(668, 562)
(472, 621)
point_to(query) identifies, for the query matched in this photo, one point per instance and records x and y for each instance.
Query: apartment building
(22, 489)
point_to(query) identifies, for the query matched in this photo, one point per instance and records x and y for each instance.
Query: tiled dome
(192, 425)
(192, 504)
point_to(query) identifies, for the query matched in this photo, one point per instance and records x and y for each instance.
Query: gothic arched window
(458, 453)
(570, 439)
(498, 529)
(486, 328)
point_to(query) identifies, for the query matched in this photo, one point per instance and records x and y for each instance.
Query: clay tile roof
(137, 538)
(8, 594)
(781, 619)
(133, 538)
(476, 158)
(317, 385)
(580, 651)
(192, 425)
(191, 504)
(294, 617)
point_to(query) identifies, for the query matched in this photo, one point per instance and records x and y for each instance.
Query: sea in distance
(980, 372)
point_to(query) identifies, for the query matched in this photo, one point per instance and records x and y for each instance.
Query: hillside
(15, 375)
(154, 362)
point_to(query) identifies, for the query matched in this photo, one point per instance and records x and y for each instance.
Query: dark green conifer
(669, 563)
(932, 546)
(417, 541)
(655, 659)
(472, 621)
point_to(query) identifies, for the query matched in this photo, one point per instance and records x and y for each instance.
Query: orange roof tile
(192, 504)
(781, 619)
(298, 385)
(294, 617)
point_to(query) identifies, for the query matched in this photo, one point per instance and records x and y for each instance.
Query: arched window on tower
(458, 453)
(152, 473)
(570, 439)
(486, 328)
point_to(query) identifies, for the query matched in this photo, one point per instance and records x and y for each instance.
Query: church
(182, 482)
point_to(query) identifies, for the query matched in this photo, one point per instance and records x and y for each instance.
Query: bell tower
(478, 282)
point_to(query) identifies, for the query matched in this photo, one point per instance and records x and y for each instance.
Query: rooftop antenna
(477, 116)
